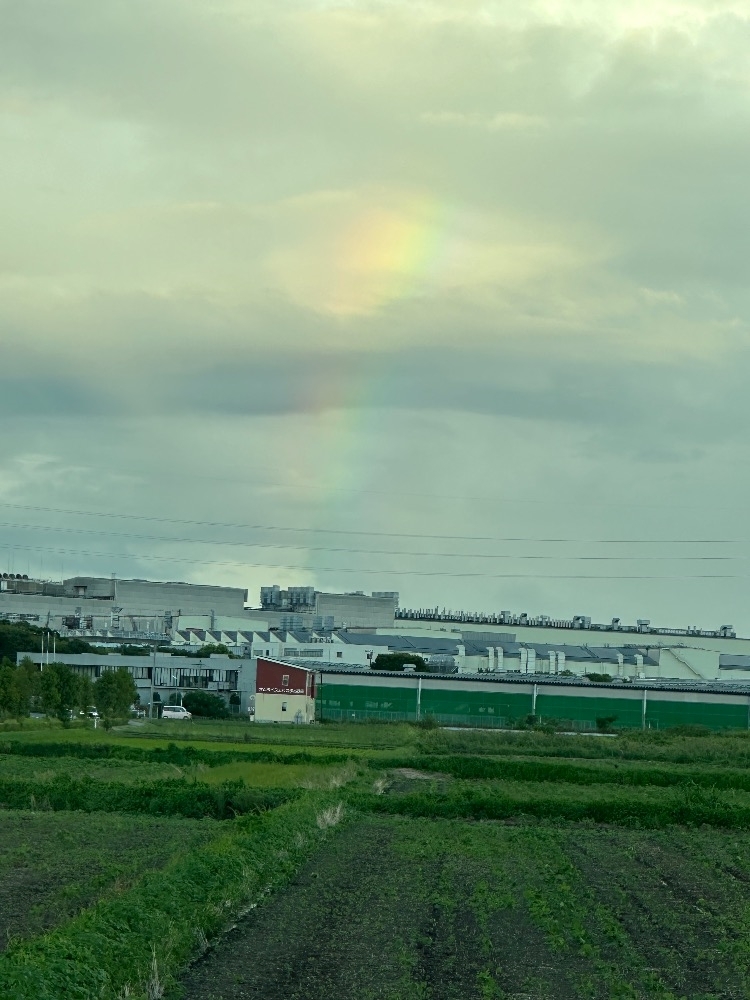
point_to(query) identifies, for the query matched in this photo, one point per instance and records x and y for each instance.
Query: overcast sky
(363, 272)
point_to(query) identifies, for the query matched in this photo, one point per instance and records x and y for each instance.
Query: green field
(457, 910)
(52, 865)
(402, 861)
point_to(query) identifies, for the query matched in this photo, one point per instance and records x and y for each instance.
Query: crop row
(134, 943)
(167, 798)
(182, 756)
(732, 748)
(483, 768)
(509, 800)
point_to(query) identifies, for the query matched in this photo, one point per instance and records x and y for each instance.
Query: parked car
(90, 713)
(175, 712)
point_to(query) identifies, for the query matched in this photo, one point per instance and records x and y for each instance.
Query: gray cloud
(376, 252)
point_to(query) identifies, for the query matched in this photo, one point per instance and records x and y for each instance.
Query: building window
(285, 681)
(283, 706)
(339, 654)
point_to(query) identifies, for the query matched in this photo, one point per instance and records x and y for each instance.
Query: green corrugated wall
(496, 705)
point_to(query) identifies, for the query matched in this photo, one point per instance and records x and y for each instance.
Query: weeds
(330, 817)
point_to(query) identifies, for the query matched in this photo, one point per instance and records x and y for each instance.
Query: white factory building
(306, 625)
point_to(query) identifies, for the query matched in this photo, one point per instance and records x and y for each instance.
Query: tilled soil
(364, 921)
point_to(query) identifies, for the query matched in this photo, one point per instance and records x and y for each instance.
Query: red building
(284, 693)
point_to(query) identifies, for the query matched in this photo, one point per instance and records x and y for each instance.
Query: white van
(175, 712)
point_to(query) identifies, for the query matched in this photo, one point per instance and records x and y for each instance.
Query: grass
(279, 775)
(410, 863)
(130, 944)
(53, 865)
(730, 748)
(351, 735)
(36, 769)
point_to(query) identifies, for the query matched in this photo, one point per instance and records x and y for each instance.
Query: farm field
(52, 865)
(377, 861)
(41, 769)
(457, 911)
(358, 735)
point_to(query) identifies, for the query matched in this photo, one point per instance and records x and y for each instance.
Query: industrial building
(497, 702)
(305, 607)
(284, 693)
(158, 676)
(489, 699)
(109, 606)
(688, 653)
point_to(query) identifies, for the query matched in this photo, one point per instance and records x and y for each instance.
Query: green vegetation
(470, 911)
(206, 705)
(179, 797)
(397, 661)
(62, 692)
(53, 865)
(18, 685)
(24, 638)
(114, 693)
(132, 944)
(426, 863)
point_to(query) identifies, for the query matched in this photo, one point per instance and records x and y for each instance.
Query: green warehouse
(494, 702)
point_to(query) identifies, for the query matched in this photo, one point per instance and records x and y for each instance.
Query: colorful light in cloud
(353, 258)
(390, 253)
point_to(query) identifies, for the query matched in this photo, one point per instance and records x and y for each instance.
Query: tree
(397, 661)
(50, 692)
(85, 694)
(214, 647)
(60, 690)
(114, 693)
(24, 686)
(7, 676)
(202, 703)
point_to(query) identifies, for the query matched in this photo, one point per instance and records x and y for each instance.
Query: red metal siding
(270, 678)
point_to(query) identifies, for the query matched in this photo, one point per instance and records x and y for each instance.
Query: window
(285, 681)
(283, 706)
(339, 654)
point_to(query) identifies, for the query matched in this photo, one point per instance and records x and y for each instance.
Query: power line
(376, 552)
(265, 484)
(378, 534)
(384, 572)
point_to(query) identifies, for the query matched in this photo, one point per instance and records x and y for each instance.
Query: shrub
(428, 722)
(600, 678)
(604, 723)
(397, 661)
(205, 704)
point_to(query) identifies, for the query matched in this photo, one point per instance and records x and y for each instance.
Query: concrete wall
(270, 708)
(356, 610)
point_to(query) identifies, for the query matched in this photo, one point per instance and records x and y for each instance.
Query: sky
(447, 297)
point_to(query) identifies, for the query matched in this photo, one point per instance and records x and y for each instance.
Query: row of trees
(60, 692)
(21, 637)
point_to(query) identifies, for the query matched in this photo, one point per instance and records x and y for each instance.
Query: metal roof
(696, 687)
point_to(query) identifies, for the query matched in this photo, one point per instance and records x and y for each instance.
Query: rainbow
(391, 252)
